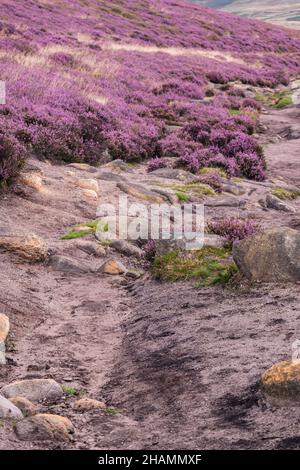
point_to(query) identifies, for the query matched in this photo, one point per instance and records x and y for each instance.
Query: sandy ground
(180, 364)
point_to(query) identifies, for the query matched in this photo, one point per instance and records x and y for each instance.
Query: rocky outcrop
(271, 256)
(273, 202)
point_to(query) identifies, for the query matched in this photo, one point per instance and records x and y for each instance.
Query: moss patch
(208, 266)
(86, 229)
(191, 189)
(213, 169)
(285, 194)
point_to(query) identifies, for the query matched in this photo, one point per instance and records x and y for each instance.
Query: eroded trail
(180, 365)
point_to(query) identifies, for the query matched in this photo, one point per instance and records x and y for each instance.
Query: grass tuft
(209, 266)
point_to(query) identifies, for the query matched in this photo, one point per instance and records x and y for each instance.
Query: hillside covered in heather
(136, 80)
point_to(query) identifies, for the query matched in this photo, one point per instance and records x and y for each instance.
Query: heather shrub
(233, 229)
(157, 163)
(213, 179)
(150, 250)
(11, 158)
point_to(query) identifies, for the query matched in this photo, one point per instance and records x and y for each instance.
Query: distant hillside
(275, 11)
(87, 81)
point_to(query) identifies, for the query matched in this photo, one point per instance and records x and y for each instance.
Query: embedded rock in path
(89, 194)
(214, 240)
(83, 167)
(26, 406)
(26, 245)
(108, 176)
(4, 327)
(91, 248)
(225, 202)
(43, 427)
(8, 410)
(68, 265)
(282, 381)
(32, 180)
(87, 404)
(140, 192)
(4, 330)
(113, 267)
(271, 256)
(127, 248)
(90, 184)
(273, 202)
(36, 390)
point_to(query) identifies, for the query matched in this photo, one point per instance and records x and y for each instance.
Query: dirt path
(181, 365)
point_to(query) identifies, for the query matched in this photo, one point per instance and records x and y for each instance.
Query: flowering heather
(156, 164)
(233, 229)
(129, 79)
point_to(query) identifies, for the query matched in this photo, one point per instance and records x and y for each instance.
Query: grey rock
(274, 202)
(126, 248)
(169, 195)
(225, 202)
(35, 390)
(234, 189)
(141, 192)
(108, 176)
(175, 174)
(271, 256)
(68, 265)
(91, 248)
(8, 410)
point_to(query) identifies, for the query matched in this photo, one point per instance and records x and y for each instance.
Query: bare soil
(182, 365)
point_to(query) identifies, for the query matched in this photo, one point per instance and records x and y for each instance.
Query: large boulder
(43, 427)
(271, 256)
(36, 390)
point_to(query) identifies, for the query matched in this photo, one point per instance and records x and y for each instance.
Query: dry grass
(221, 56)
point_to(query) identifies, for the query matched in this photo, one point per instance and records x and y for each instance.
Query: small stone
(36, 390)
(234, 189)
(89, 194)
(112, 267)
(87, 404)
(83, 167)
(4, 327)
(140, 192)
(274, 202)
(68, 265)
(26, 406)
(282, 381)
(43, 427)
(126, 248)
(91, 248)
(27, 246)
(8, 410)
(32, 180)
(90, 184)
